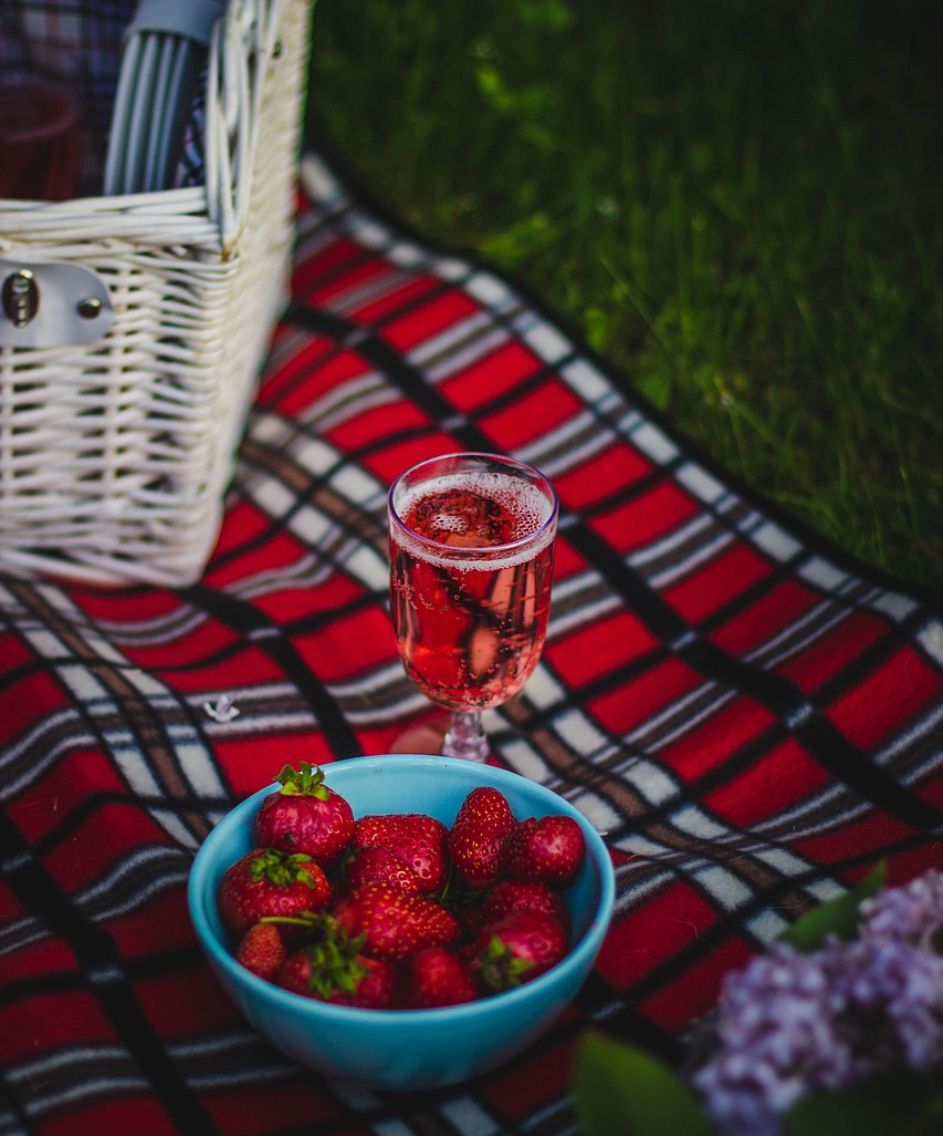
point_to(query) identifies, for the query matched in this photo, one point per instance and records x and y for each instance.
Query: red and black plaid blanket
(751, 718)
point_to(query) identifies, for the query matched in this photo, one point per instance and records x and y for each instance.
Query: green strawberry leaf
(901, 1102)
(306, 781)
(839, 916)
(619, 1089)
(501, 969)
(517, 970)
(281, 869)
(333, 968)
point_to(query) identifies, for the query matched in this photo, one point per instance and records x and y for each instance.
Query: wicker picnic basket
(117, 439)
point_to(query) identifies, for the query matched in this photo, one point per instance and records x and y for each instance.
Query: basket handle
(163, 57)
(193, 19)
(243, 43)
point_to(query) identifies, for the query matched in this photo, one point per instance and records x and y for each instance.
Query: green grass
(738, 202)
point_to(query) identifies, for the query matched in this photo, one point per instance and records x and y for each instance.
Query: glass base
(465, 738)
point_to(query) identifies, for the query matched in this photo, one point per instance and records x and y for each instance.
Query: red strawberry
(517, 949)
(379, 865)
(305, 816)
(438, 978)
(548, 849)
(268, 882)
(382, 828)
(395, 926)
(471, 914)
(418, 840)
(508, 896)
(262, 950)
(477, 837)
(334, 971)
(466, 954)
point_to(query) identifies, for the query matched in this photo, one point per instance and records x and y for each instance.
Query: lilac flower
(788, 1024)
(775, 1039)
(893, 1005)
(911, 913)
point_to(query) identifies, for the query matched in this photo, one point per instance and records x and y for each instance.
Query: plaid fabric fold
(752, 719)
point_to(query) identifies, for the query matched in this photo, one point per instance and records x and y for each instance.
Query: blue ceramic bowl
(406, 1049)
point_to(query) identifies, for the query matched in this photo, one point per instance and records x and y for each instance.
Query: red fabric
(751, 719)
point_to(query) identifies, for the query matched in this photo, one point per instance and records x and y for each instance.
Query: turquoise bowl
(407, 1049)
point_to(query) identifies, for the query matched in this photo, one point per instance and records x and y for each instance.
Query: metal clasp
(20, 297)
(52, 304)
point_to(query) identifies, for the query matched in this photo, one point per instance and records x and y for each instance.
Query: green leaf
(306, 781)
(657, 386)
(618, 1089)
(837, 917)
(596, 326)
(492, 86)
(901, 1102)
(551, 15)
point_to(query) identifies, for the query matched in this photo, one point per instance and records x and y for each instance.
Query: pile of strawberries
(398, 911)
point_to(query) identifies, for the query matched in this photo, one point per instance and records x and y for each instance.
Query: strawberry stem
(305, 781)
(309, 919)
(334, 959)
(501, 969)
(282, 869)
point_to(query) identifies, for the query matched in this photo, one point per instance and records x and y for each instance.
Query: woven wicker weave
(114, 456)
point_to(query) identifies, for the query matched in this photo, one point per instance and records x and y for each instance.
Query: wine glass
(40, 138)
(471, 561)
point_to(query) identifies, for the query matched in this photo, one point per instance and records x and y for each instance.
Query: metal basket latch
(51, 305)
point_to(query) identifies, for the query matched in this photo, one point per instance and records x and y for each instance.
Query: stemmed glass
(471, 561)
(40, 140)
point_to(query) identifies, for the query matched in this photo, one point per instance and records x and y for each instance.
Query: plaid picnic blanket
(751, 718)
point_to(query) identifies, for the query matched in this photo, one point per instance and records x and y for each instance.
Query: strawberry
(438, 978)
(268, 882)
(508, 896)
(548, 849)
(477, 837)
(262, 950)
(471, 914)
(383, 828)
(333, 970)
(517, 949)
(395, 926)
(419, 840)
(305, 816)
(379, 865)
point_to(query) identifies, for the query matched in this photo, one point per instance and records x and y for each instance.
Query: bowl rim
(583, 952)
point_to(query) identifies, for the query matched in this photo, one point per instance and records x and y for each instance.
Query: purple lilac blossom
(791, 1023)
(911, 913)
(893, 995)
(775, 1039)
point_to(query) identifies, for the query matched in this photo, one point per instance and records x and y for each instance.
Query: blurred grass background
(737, 202)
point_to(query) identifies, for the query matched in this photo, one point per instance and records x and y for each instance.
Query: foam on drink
(475, 511)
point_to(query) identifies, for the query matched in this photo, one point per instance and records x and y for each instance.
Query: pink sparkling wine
(470, 631)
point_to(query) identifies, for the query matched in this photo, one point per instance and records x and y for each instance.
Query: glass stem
(465, 737)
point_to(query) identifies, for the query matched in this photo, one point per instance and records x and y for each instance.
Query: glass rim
(491, 551)
(65, 112)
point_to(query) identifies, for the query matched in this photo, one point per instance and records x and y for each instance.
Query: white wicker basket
(115, 453)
